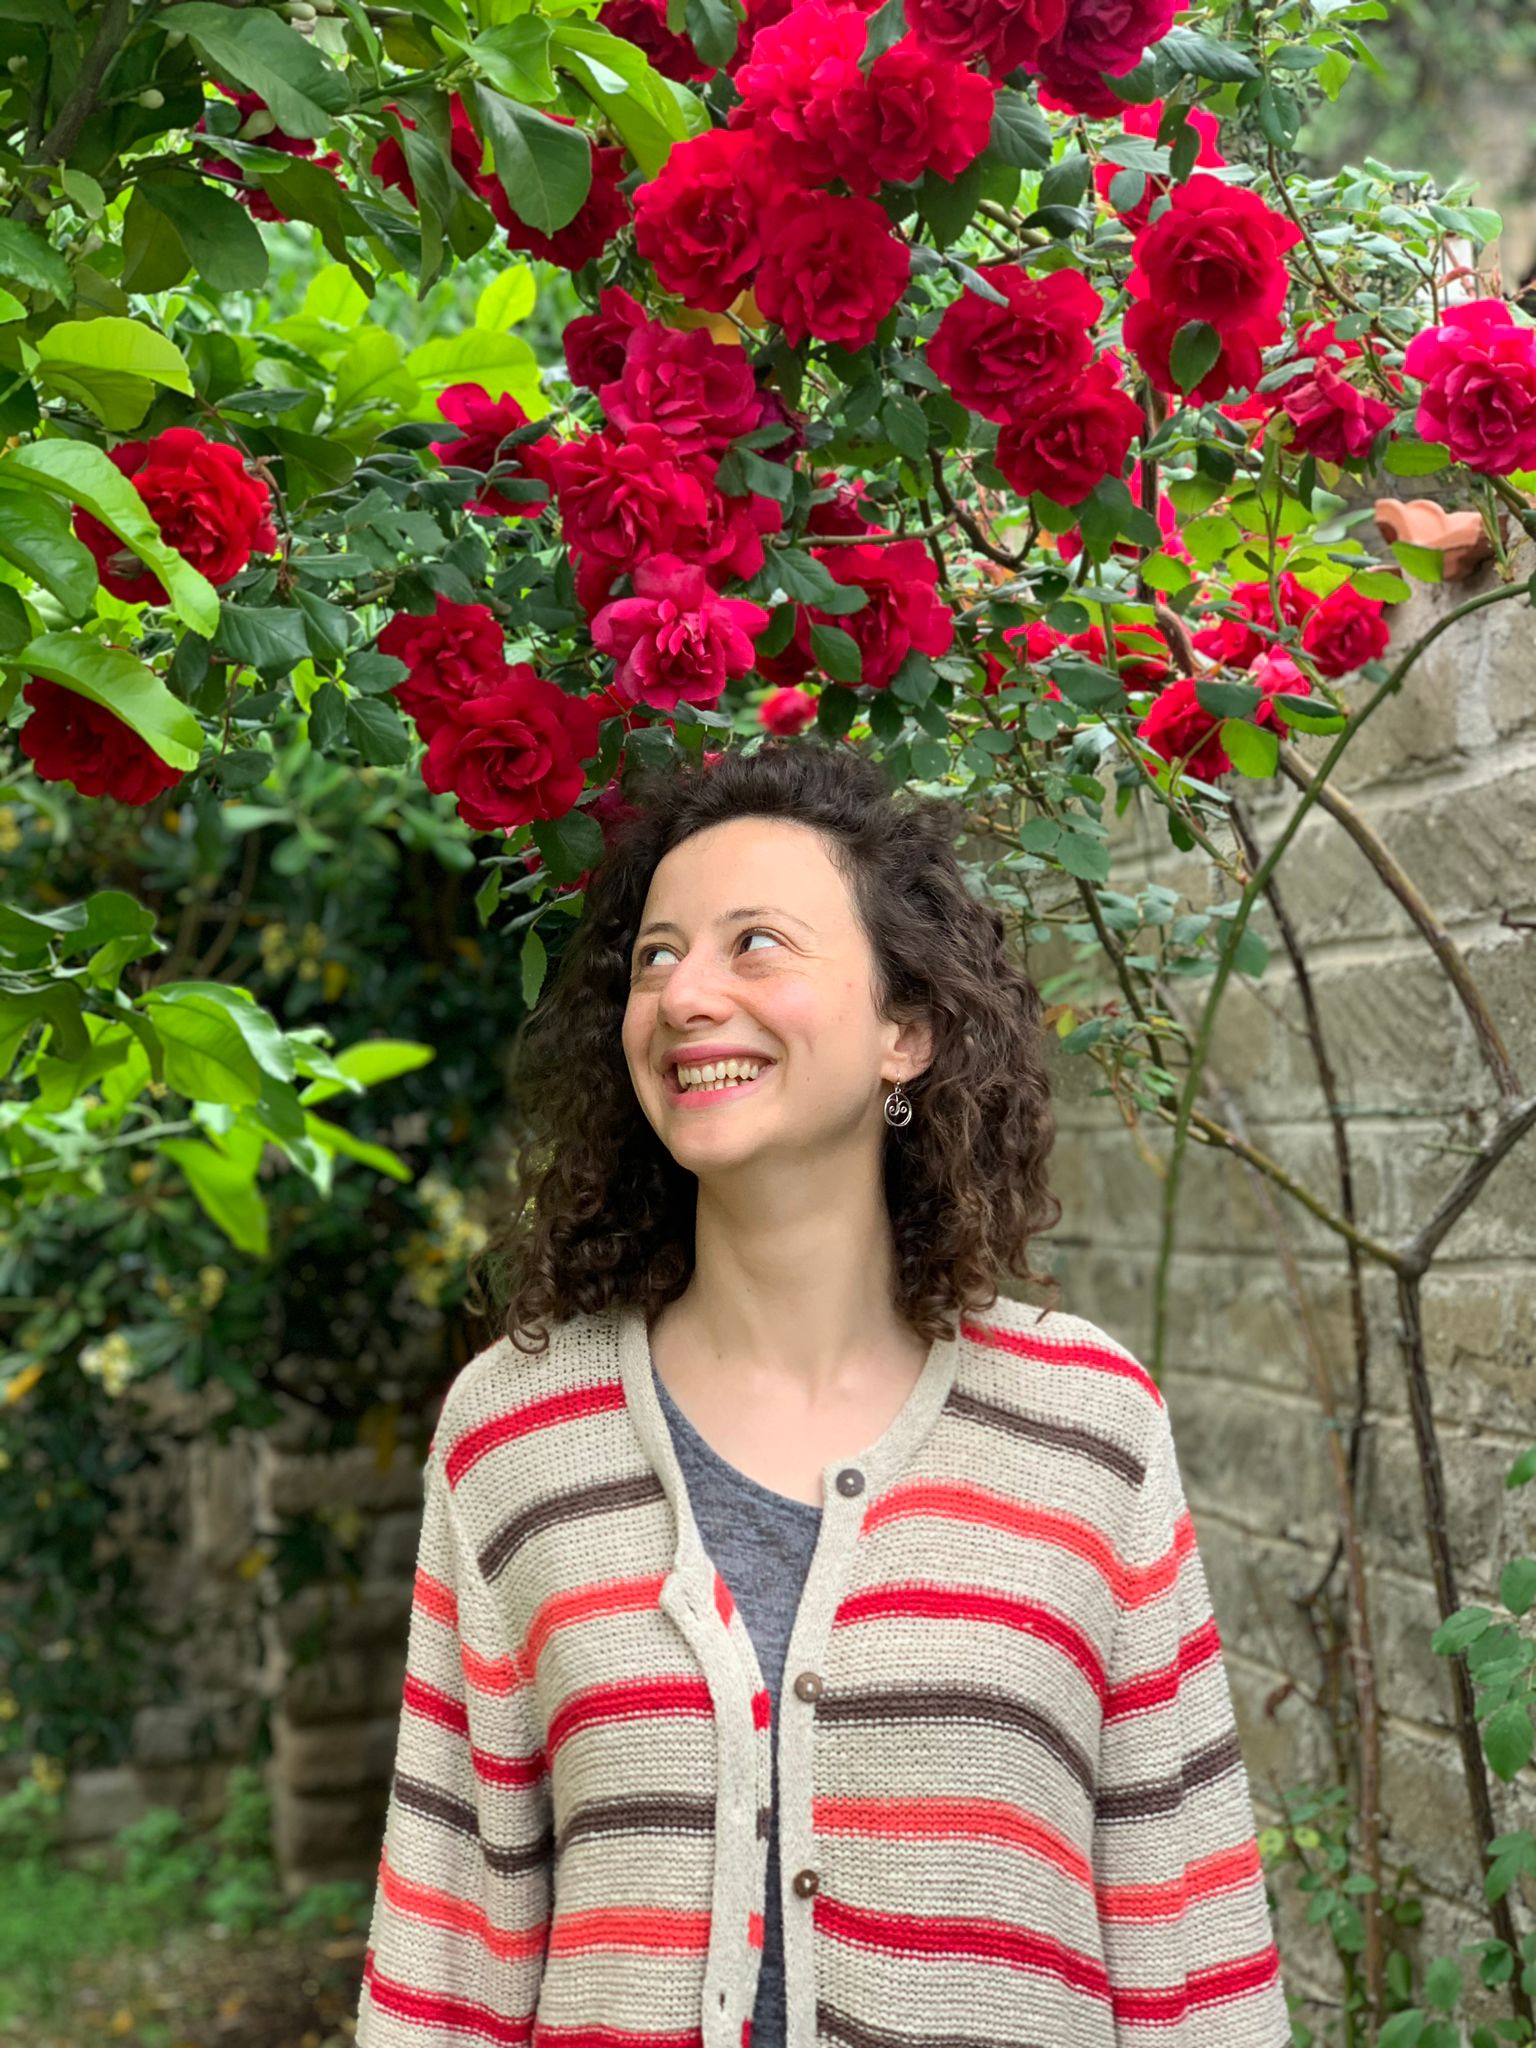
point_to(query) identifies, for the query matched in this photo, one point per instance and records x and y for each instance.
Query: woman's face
(749, 940)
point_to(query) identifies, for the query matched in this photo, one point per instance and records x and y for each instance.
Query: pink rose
(1334, 420)
(700, 392)
(700, 221)
(1075, 437)
(1275, 673)
(1479, 374)
(514, 753)
(1002, 360)
(1346, 631)
(486, 422)
(832, 269)
(675, 641)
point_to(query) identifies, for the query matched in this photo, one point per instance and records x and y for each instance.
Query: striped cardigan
(1013, 1811)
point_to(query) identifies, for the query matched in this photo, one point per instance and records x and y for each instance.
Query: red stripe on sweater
(496, 1677)
(587, 1603)
(1229, 1870)
(1165, 2007)
(950, 1938)
(927, 1602)
(435, 1907)
(549, 2036)
(640, 1699)
(430, 1703)
(576, 1405)
(1157, 1688)
(642, 1930)
(1030, 1344)
(952, 1820)
(436, 1599)
(439, 2010)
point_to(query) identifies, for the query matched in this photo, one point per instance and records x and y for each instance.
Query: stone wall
(1445, 773)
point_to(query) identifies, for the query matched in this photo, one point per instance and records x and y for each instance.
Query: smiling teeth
(720, 1072)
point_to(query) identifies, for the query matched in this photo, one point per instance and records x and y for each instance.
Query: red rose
(258, 125)
(389, 164)
(844, 511)
(486, 422)
(1334, 420)
(1276, 672)
(903, 611)
(644, 23)
(1346, 631)
(1003, 34)
(800, 84)
(1146, 121)
(610, 808)
(732, 541)
(1479, 397)
(1176, 725)
(700, 392)
(624, 499)
(1215, 255)
(1002, 360)
(1076, 437)
(918, 112)
(515, 753)
(1099, 36)
(833, 269)
(675, 641)
(601, 215)
(453, 652)
(70, 738)
(700, 220)
(1236, 642)
(597, 343)
(788, 711)
(207, 505)
(1141, 651)
(1149, 332)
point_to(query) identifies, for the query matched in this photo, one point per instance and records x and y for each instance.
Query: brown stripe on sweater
(432, 1803)
(986, 1704)
(832, 2025)
(1061, 1436)
(672, 1813)
(1165, 1795)
(609, 1497)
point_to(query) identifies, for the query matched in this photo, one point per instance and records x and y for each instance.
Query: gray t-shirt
(762, 1543)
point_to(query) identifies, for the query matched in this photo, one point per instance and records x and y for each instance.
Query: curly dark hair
(603, 1215)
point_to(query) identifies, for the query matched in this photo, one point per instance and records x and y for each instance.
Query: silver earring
(898, 1106)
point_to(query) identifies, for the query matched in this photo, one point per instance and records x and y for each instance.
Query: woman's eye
(647, 954)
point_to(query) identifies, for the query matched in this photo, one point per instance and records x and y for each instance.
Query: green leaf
(1208, 539)
(123, 685)
(85, 476)
(217, 233)
(905, 425)
(1020, 133)
(545, 168)
(1428, 564)
(1407, 455)
(569, 845)
(27, 259)
(1166, 573)
(269, 638)
(16, 629)
(1083, 856)
(947, 204)
(1517, 1584)
(640, 104)
(499, 363)
(508, 298)
(533, 963)
(801, 576)
(887, 26)
(515, 58)
(1201, 56)
(1193, 355)
(376, 729)
(837, 653)
(111, 365)
(712, 29)
(36, 537)
(1227, 700)
(254, 48)
(1508, 1739)
(225, 1187)
(1253, 750)
(1402, 2030)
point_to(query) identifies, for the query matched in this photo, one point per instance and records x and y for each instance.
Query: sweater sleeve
(460, 1915)
(1188, 1946)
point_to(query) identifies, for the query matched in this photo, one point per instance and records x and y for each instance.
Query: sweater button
(850, 1480)
(810, 1685)
(806, 1881)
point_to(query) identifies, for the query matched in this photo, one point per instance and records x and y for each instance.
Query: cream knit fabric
(1013, 1811)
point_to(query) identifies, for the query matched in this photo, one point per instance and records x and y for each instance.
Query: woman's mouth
(714, 1091)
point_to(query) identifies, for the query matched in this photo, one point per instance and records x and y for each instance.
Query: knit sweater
(1013, 1812)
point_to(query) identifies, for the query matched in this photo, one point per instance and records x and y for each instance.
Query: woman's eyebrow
(726, 917)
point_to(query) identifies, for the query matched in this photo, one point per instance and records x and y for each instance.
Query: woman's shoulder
(1066, 1360)
(503, 1379)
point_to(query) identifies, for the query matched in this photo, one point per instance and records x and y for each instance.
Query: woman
(809, 1643)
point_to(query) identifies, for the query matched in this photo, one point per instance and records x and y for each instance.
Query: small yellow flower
(18, 1388)
(48, 1772)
